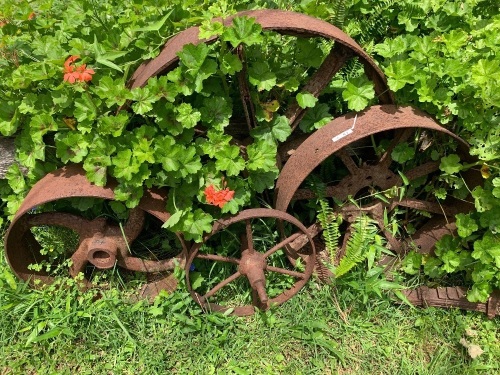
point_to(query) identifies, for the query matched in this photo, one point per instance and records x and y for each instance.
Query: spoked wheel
(253, 259)
(285, 23)
(90, 244)
(382, 163)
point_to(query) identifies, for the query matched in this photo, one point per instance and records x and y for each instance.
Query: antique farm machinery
(272, 273)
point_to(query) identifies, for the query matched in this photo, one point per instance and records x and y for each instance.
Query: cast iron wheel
(251, 260)
(359, 148)
(283, 23)
(100, 244)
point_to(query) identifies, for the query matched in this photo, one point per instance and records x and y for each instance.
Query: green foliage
(330, 223)
(363, 239)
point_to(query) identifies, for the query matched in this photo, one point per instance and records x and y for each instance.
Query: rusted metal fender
(283, 22)
(341, 132)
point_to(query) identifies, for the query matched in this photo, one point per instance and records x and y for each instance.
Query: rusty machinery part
(285, 23)
(253, 262)
(447, 297)
(100, 243)
(339, 139)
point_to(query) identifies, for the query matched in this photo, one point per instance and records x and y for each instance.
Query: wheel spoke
(348, 161)
(222, 284)
(59, 219)
(422, 170)
(248, 236)
(432, 207)
(218, 258)
(402, 136)
(79, 259)
(134, 224)
(283, 243)
(246, 98)
(146, 265)
(284, 271)
(319, 80)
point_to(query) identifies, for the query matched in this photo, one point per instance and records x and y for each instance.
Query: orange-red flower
(74, 74)
(218, 197)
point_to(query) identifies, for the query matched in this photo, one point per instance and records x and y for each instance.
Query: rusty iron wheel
(284, 23)
(100, 243)
(249, 260)
(347, 143)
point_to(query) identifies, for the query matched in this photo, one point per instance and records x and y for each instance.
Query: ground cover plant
(64, 68)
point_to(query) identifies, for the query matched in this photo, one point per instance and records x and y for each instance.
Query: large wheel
(357, 160)
(284, 23)
(249, 259)
(99, 244)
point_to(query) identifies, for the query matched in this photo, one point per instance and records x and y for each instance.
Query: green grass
(323, 330)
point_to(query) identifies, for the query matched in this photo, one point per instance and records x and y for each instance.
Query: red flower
(74, 74)
(218, 197)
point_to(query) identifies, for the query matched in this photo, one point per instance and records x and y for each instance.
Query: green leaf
(72, 146)
(451, 260)
(15, 178)
(402, 153)
(210, 28)
(144, 100)
(479, 292)
(466, 225)
(155, 26)
(196, 224)
(230, 64)
(230, 161)
(308, 52)
(112, 125)
(109, 64)
(9, 118)
(358, 93)
(193, 56)
(125, 165)
(401, 73)
(450, 164)
(86, 108)
(216, 143)
(174, 219)
(487, 249)
(306, 100)
(280, 128)
(316, 118)
(260, 181)
(485, 72)
(216, 112)
(243, 30)
(432, 267)
(261, 77)
(261, 156)
(187, 116)
(412, 262)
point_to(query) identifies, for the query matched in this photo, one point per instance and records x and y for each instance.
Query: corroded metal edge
(283, 22)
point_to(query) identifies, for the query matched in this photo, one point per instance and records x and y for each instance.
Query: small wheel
(248, 258)
(99, 243)
(357, 160)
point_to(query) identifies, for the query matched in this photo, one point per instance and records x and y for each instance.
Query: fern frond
(362, 236)
(330, 223)
(339, 10)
